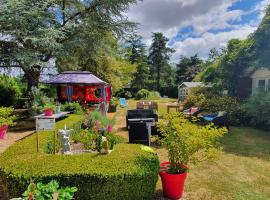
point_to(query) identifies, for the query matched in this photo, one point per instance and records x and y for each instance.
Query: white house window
(269, 85)
(261, 85)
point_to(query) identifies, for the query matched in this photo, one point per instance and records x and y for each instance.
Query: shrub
(188, 143)
(126, 173)
(211, 102)
(258, 108)
(41, 191)
(10, 91)
(6, 116)
(146, 94)
(142, 94)
(39, 101)
(72, 106)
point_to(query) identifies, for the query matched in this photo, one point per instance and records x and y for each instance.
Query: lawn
(241, 172)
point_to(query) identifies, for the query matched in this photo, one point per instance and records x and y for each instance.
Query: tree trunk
(32, 76)
(158, 78)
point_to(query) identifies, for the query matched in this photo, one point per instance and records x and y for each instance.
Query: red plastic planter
(173, 184)
(48, 112)
(3, 131)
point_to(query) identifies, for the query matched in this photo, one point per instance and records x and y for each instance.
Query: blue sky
(196, 26)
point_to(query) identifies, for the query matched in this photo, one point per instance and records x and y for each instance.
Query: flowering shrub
(188, 143)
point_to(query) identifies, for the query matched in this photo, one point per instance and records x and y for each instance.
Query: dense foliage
(10, 91)
(211, 101)
(146, 94)
(159, 55)
(48, 191)
(258, 108)
(6, 116)
(127, 169)
(188, 143)
(188, 68)
(35, 33)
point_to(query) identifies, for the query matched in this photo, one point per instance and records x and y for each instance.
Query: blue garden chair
(218, 119)
(123, 102)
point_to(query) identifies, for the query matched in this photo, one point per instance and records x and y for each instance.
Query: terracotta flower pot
(3, 131)
(48, 112)
(172, 184)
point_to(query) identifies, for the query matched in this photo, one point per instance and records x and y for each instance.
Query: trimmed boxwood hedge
(127, 173)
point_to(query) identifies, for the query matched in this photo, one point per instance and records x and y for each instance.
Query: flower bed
(126, 173)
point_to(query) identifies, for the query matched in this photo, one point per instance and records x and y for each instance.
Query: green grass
(241, 173)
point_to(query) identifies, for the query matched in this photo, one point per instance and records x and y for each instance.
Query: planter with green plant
(187, 144)
(6, 119)
(113, 105)
(49, 109)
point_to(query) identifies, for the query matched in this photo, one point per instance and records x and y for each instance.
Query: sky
(196, 26)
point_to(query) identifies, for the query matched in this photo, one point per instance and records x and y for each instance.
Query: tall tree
(137, 55)
(188, 68)
(159, 55)
(34, 32)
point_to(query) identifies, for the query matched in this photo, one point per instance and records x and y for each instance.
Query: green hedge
(127, 173)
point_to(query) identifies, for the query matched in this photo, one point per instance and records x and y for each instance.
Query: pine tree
(159, 55)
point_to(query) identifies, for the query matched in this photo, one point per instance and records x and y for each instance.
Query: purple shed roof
(76, 77)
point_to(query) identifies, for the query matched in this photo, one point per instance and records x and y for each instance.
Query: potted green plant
(49, 109)
(187, 144)
(6, 120)
(113, 105)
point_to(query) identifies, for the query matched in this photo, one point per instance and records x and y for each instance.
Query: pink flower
(109, 128)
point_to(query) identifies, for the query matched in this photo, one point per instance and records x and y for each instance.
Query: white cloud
(203, 44)
(170, 16)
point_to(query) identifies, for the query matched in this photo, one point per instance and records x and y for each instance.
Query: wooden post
(54, 142)
(37, 140)
(104, 100)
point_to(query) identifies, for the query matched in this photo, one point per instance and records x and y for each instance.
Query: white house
(260, 80)
(185, 88)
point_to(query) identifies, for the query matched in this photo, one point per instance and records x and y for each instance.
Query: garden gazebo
(81, 86)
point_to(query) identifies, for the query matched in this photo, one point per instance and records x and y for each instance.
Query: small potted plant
(187, 144)
(6, 120)
(113, 105)
(49, 109)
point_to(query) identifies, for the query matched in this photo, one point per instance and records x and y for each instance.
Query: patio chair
(123, 102)
(218, 119)
(193, 111)
(153, 106)
(139, 105)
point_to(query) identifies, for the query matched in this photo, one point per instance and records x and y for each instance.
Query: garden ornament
(65, 134)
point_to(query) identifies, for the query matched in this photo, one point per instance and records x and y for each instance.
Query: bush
(258, 108)
(211, 102)
(10, 91)
(126, 173)
(6, 116)
(72, 106)
(146, 94)
(41, 191)
(188, 143)
(39, 101)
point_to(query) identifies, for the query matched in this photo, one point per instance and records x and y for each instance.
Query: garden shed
(185, 87)
(81, 86)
